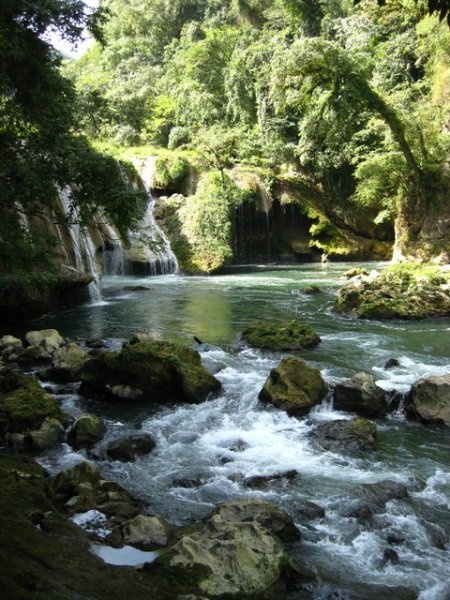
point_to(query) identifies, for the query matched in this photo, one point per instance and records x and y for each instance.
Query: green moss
(287, 335)
(26, 407)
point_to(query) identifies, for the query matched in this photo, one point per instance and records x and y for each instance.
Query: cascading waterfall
(113, 259)
(152, 242)
(82, 245)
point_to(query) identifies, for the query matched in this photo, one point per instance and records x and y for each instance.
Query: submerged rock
(294, 387)
(342, 435)
(86, 431)
(264, 480)
(430, 398)
(155, 371)
(381, 492)
(287, 335)
(129, 447)
(361, 395)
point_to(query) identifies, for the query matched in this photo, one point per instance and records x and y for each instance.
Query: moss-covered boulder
(360, 394)
(86, 431)
(430, 398)
(294, 387)
(67, 363)
(155, 370)
(287, 335)
(343, 435)
(129, 447)
(400, 292)
(24, 404)
(49, 433)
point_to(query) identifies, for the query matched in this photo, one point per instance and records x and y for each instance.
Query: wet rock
(437, 536)
(342, 435)
(358, 510)
(288, 335)
(430, 397)
(379, 493)
(312, 290)
(49, 339)
(391, 363)
(160, 370)
(48, 435)
(247, 510)
(67, 363)
(391, 556)
(238, 446)
(95, 343)
(86, 431)
(136, 288)
(128, 448)
(305, 511)
(264, 480)
(146, 533)
(355, 272)
(294, 387)
(395, 538)
(186, 483)
(126, 392)
(360, 394)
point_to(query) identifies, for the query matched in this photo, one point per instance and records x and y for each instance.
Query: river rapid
(213, 446)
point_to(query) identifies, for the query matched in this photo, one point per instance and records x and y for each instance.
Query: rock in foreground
(431, 399)
(152, 371)
(294, 387)
(288, 335)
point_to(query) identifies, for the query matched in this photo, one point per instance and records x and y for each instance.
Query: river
(199, 443)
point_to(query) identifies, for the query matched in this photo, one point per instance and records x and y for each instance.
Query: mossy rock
(294, 387)
(24, 404)
(287, 335)
(407, 291)
(342, 435)
(430, 398)
(160, 370)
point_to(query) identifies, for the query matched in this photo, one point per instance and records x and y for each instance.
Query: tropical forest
(224, 299)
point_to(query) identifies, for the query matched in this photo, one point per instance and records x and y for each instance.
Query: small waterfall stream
(151, 241)
(82, 245)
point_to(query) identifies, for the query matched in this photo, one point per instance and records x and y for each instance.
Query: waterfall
(149, 243)
(82, 245)
(113, 259)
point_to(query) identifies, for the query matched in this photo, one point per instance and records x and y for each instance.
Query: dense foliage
(41, 148)
(353, 97)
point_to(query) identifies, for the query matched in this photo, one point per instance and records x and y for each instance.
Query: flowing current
(205, 452)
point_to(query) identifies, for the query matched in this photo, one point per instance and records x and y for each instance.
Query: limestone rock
(341, 435)
(250, 510)
(9, 340)
(146, 533)
(160, 370)
(49, 339)
(294, 387)
(235, 558)
(288, 335)
(431, 399)
(86, 431)
(361, 395)
(67, 362)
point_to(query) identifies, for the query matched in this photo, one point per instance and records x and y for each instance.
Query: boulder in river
(287, 335)
(361, 395)
(430, 398)
(86, 431)
(129, 447)
(294, 387)
(159, 370)
(146, 532)
(235, 553)
(67, 362)
(342, 435)
(49, 339)
(48, 434)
